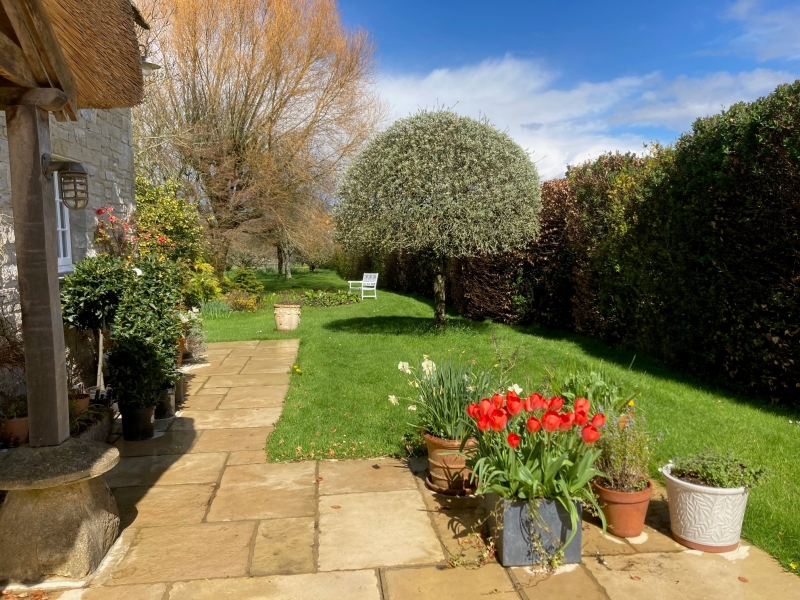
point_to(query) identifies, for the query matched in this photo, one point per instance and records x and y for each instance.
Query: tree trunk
(287, 263)
(280, 260)
(220, 248)
(439, 314)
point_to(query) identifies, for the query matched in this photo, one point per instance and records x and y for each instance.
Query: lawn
(337, 406)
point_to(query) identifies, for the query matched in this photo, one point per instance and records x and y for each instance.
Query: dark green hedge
(691, 253)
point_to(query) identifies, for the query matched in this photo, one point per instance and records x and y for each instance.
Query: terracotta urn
(16, 429)
(78, 404)
(625, 512)
(448, 469)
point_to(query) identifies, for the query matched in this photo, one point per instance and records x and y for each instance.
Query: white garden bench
(368, 283)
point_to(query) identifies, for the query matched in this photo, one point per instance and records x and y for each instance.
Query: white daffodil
(412, 407)
(404, 367)
(394, 400)
(428, 366)
(470, 388)
(465, 377)
(516, 389)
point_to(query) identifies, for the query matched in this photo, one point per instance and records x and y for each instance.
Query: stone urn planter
(287, 316)
(702, 517)
(447, 468)
(137, 423)
(522, 539)
(78, 404)
(16, 430)
(625, 512)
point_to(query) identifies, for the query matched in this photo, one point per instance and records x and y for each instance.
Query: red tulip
(498, 400)
(486, 406)
(550, 421)
(598, 420)
(555, 403)
(533, 425)
(511, 394)
(484, 422)
(537, 401)
(590, 434)
(498, 419)
(581, 417)
(567, 421)
(513, 404)
(581, 405)
(513, 440)
(474, 411)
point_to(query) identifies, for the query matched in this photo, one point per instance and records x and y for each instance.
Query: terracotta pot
(16, 429)
(448, 471)
(702, 517)
(79, 404)
(287, 317)
(181, 350)
(625, 511)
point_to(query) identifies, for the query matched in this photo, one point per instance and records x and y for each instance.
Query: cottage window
(62, 232)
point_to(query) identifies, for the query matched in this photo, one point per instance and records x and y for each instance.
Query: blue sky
(569, 80)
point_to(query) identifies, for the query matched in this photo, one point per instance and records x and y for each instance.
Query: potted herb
(442, 396)
(707, 495)
(14, 415)
(287, 313)
(533, 463)
(623, 490)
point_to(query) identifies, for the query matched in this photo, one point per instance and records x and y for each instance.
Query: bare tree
(258, 106)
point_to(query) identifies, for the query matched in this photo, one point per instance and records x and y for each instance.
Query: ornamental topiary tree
(441, 185)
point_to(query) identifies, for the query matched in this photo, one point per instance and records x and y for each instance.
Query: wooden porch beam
(13, 65)
(51, 99)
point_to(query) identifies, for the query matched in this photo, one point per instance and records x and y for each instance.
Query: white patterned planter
(705, 518)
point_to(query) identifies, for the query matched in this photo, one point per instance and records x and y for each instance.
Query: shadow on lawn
(401, 326)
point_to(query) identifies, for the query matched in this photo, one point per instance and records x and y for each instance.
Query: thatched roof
(99, 43)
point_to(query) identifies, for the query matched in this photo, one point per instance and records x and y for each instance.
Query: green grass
(338, 406)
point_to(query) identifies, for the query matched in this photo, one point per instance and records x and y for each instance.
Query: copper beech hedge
(690, 253)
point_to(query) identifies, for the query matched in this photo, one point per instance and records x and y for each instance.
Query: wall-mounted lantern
(73, 181)
(148, 68)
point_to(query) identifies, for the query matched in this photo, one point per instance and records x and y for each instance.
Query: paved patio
(206, 517)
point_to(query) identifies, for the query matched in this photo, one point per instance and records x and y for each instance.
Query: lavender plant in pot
(440, 398)
(707, 495)
(624, 490)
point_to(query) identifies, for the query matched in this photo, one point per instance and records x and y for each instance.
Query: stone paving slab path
(206, 517)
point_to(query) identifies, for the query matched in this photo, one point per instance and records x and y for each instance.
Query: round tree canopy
(441, 183)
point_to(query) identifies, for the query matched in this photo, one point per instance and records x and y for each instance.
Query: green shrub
(144, 336)
(241, 301)
(246, 281)
(91, 294)
(200, 285)
(324, 299)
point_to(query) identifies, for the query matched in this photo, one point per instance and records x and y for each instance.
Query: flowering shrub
(531, 448)
(116, 235)
(239, 300)
(443, 394)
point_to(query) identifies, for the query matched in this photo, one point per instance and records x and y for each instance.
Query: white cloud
(766, 34)
(567, 126)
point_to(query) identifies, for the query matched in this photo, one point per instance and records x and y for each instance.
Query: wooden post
(34, 208)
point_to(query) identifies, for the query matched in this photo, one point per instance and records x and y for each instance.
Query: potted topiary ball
(707, 495)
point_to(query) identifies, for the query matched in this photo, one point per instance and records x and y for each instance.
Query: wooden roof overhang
(63, 55)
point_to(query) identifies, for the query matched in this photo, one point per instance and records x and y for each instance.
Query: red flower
(99, 211)
(513, 440)
(513, 404)
(555, 403)
(485, 406)
(581, 417)
(498, 400)
(146, 236)
(533, 425)
(474, 411)
(110, 209)
(537, 401)
(126, 227)
(581, 405)
(498, 419)
(511, 394)
(590, 434)
(162, 239)
(550, 421)
(483, 422)
(598, 420)
(112, 218)
(567, 421)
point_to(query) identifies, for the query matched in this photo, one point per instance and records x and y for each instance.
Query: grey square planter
(515, 531)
